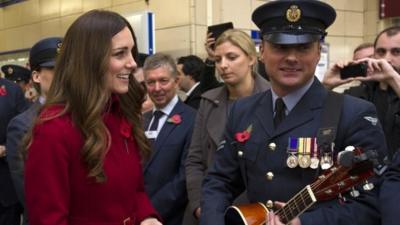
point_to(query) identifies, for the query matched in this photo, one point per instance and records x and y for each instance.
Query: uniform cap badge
(293, 13)
(10, 70)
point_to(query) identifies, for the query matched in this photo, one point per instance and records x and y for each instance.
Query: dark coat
(208, 132)
(12, 103)
(58, 189)
(389, 197)
(388, 116)
(164, 173)
(17, 128)
(193, 100)
(244, 166)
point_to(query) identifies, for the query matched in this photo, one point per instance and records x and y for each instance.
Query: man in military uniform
(42, 57)
(12, 102)
(19, 75)
(270, 141)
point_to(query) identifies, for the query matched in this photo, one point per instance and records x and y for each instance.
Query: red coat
(58, 190)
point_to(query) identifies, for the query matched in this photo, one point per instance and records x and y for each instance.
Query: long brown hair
(80, 82)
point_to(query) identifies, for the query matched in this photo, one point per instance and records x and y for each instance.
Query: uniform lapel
(264, 113)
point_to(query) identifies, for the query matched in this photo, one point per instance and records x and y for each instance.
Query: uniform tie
(156, 115)
(279, 112)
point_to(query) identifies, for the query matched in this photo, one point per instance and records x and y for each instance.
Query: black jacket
(388, 116)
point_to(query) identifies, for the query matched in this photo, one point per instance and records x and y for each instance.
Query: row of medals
(304, 160)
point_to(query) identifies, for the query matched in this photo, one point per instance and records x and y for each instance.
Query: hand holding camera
(333, 78)
(379, 70)
(354, 70)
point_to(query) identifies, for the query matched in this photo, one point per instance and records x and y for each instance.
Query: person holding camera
(380, 83)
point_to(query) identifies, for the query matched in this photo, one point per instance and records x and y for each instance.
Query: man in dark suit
(190, 71)
(12, 102)
(255, 155)
(169, 129)
(42, 58)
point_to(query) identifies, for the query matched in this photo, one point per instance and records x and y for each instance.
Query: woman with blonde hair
(84, 152)
(235, 59)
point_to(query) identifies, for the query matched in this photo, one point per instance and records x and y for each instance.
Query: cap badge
(10, 70)
(59, 47)
(293, 13)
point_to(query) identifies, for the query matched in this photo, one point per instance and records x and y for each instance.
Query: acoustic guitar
(336, 180)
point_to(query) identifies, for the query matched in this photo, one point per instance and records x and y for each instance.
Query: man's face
(44, 78)
(183, 79)
(364, 53)
(161, 85)
(389, 48)
(290, 66)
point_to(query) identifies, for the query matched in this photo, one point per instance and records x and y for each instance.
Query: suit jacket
(164, 173)
(12, 103)
(239, 166)
(208, 132)
(58, 189)
(16, 131)
(194, 98)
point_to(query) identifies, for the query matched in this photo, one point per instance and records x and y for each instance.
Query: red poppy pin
(3, 91)
(175, 119)
(125, 128)
(242, 137)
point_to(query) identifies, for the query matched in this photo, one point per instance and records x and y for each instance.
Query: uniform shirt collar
(292, 98)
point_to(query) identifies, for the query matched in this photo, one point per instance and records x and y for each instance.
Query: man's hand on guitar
(273, 219)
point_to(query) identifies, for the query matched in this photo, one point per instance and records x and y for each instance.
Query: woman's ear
(253, 60)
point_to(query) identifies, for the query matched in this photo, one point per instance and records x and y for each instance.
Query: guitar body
(247, 214)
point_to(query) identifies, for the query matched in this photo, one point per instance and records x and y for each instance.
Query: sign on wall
(143, 25)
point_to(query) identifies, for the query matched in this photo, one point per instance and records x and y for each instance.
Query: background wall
(180, 24)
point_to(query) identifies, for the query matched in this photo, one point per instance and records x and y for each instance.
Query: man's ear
(35, 76)
(261, 52)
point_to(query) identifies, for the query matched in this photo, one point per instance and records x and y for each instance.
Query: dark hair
(192, 65)
(363, 46)
(390, 31)
(80, 80)
(141, 58)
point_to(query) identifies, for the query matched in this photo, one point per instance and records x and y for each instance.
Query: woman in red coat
(83, 160)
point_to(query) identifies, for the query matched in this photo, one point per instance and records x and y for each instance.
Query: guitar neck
(297, 205)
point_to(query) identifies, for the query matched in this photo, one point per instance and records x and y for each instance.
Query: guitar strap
(329, 121)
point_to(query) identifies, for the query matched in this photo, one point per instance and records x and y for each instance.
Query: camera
(218, 29)
(354, 70)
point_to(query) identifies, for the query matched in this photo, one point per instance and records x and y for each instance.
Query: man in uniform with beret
(19, 75)
(42, 58)
(272, 147)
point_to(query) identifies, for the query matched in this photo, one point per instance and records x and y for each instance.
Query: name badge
(151, 134)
